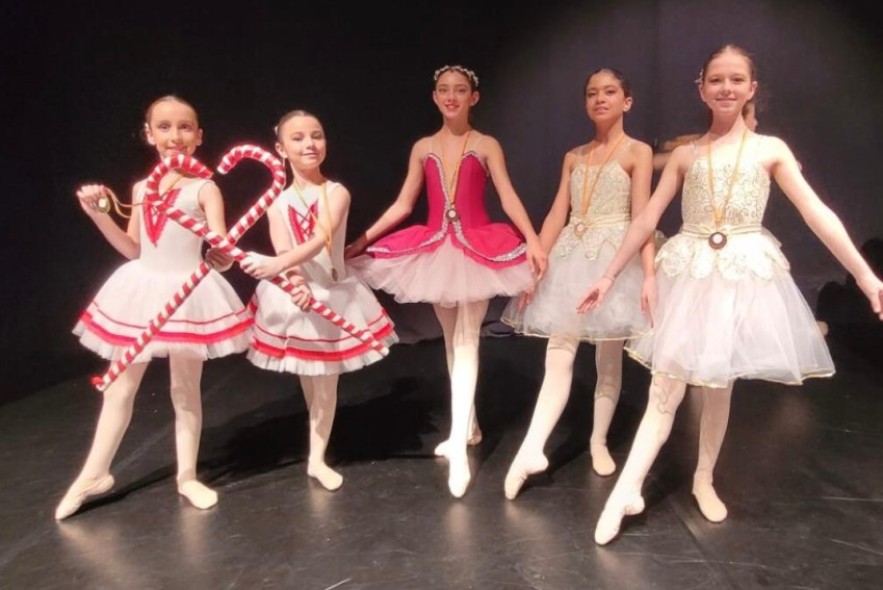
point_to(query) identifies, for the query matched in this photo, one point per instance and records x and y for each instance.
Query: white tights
(665, 395)
(551, 401)
(461, 327)
(320, 395)
(116, 414)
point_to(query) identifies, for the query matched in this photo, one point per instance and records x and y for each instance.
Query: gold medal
(717, 240)
(580, 228)
(452, 214)
(103, 205)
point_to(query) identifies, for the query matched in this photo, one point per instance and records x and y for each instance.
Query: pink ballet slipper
(74, 498)
(611, 518)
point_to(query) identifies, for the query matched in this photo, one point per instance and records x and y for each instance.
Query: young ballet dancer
(212, 322)
(728, 307)
(459, 259)
(308, 231)
(603, 184)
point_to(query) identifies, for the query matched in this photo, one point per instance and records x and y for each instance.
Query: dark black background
(77, 80)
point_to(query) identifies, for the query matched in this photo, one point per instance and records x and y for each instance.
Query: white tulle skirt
(288, 339)
(553, 308)
(753, 324)
(212, 322)
(445, 276)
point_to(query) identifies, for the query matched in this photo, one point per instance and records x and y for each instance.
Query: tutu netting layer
(712, 330)
(553, 308)
(212, 322)
(443, 276)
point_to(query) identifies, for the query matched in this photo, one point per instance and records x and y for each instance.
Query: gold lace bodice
(608, 214)
(750, 249)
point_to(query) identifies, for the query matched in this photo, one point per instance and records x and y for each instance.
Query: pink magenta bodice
(471, 230)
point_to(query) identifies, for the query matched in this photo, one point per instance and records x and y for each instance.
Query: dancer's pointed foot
(611, 517)
(602, 462)
(79, 492)
(458, 475)
(327, 477)
(523, 466)
(198, 494)
(710, 505)
(441, 450)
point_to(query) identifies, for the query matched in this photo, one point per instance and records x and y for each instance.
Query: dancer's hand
(355, 248)
(260, 266)
(595, 295)
(93, 196)
(872, 287)
(218, 259)
(537, 258)
(648, 298)
(302, 295)
(526, 297)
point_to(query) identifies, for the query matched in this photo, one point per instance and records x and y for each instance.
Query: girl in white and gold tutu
(603, 184)
(308, 230)
(728, 308)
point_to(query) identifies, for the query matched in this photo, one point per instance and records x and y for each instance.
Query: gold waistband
(600, 220)
(696, 230)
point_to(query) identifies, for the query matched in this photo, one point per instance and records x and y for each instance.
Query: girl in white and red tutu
(212, 322)
(604, 183)
(728, 307)
(459, 259)
(308, 231)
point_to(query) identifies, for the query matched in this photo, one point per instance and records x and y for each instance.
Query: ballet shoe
(74, 497)
(475, 437)
(327, 477)
(198, 494)
(458, 477)
(611, 518)
(710, 505)
(602, 462)
(520, 470)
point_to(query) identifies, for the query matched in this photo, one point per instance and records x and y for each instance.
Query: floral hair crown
(473, 78)
(701, 77)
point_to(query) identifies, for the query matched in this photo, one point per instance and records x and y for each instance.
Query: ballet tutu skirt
(576, 263)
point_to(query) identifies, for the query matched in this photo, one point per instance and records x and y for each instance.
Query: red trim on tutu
(320, 355)
(165, 336)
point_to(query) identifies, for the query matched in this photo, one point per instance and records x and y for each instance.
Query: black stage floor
(801, 471)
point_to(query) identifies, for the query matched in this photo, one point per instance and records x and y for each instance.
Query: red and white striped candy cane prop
(191, 165)
(201, 229)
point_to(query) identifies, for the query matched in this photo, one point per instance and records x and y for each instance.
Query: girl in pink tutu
(459, 259)
(603, 184)
(211, 323)
(728, 308)
(308, 231)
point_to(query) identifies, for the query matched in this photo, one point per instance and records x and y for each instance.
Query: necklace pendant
(334, 275)
(717, 240)
(103, 205)
(580, 228)
(452, 214)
